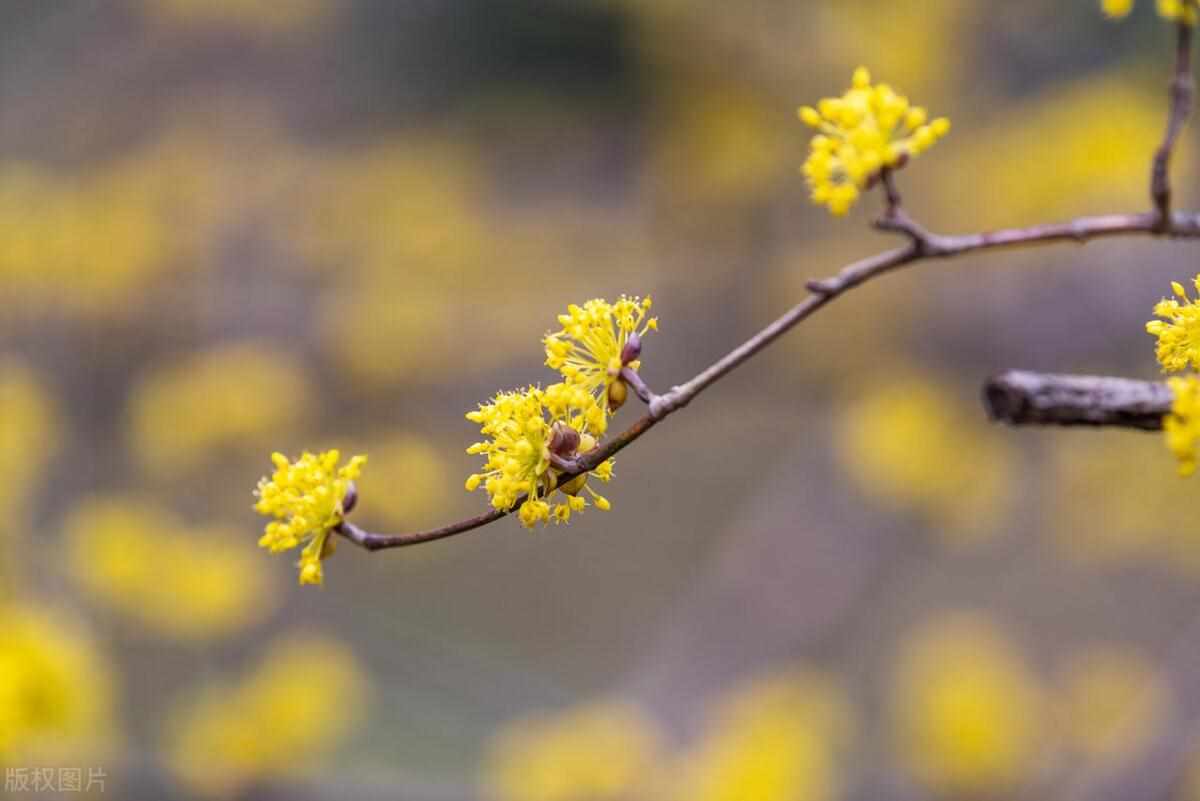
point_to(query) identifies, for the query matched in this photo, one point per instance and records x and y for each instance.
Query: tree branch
(1019, 398)
(1180, 99)
(922, 246)
(1051, 404)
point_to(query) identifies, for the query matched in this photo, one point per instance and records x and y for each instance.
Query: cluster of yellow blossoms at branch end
(1185, 11)
(1178, 334)
(533, 435)
(866, 130)
(524, 429)
(308, 498)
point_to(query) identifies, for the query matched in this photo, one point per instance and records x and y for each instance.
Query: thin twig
(922, 245)
(1018, 397)
(1180, 99)
(633, 379)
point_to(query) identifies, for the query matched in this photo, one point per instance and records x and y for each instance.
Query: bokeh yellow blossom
(1111, 700)
(774, 738)
(1181, 427)
(1116, 8)
(867, 129)
(1178, 333)
(56, 693)
(263, 17)
(29, 433)
(79, 243)
(1007, 154)
(914, 444)
(602, 751)
(178, 581)
(967, 709)
(1110, 508)
(307, 498)
(523, 429)
(718, 142)
(307, 694)
(1179, 10)
(236, 397)
(591, 347)
(409, 482)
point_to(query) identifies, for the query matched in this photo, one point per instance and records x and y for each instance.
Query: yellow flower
(55, 690)
(775, 738)
(30, 432)
(1115, 9)
(1179, 338)
(1182, 426)
(967, 709)
(308, 498)
(523, 429)
(915, 444)
(602, 751)
(1184, 11)
(868, 128)
(141, 561)
(306, 695)
(235, 398)
(596, 341)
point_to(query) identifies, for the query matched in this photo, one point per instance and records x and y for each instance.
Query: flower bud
(350, 498)
(564, 440)
(632, 349)
(617, 393)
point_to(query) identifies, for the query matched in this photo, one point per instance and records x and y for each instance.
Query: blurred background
(229, 227)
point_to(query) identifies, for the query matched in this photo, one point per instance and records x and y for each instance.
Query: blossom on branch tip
(1182, 426)
(867, 129)
(308, 499)
(1185, 11)
(524, 430)
(596, 340)
(1178, 332)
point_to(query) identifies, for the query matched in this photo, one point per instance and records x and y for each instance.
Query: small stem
(563, 464)
(1180, 100)
(890, 192)
(631, 377)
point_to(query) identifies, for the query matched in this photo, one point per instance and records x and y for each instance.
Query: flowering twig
(1016, 397)
(922, 246)
(1181, 90)
(1019, 397)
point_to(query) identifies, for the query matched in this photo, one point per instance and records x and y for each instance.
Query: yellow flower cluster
(777, 737)
(1185, 11)
(1182, 426)
(308, 499)
(523, 429)
(234, 398)
(1178, 348)
(1179, 336)
(968, 710)
(139, 560)
(528, 431)
(600, 751)
(864, 131)
(773, 738)
(30, 431)
(301, 701)
(596, 341)
(55, 692)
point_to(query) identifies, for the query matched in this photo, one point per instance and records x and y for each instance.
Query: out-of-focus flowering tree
(234, 227)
